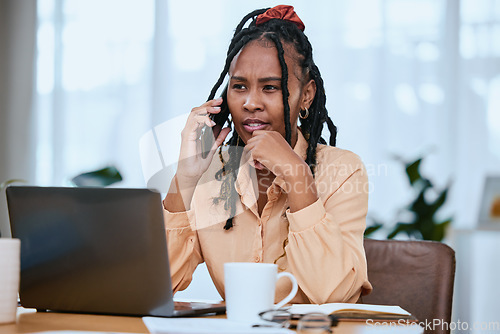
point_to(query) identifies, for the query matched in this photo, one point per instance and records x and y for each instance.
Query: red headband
(282, 12)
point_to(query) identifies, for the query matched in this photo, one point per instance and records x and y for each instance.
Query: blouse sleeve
(183, 248)
(325, 249)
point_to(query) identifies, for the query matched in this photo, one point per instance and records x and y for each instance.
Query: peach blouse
(324, 248)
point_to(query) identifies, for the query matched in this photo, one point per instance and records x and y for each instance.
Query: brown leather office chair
(416, 275)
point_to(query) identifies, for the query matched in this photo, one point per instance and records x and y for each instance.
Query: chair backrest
(416, 275)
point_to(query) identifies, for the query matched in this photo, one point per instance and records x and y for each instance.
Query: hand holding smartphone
(208, 135)
(207, 139)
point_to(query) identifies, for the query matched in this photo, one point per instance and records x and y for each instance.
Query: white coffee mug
(249, 290)
(10, 252)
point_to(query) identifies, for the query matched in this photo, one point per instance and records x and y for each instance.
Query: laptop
(95, 250)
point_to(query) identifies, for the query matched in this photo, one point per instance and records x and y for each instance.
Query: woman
(277, 194)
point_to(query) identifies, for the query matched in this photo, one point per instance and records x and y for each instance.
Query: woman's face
(254, 93)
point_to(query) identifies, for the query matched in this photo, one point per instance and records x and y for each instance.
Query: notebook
(95, 250)
(355, 312)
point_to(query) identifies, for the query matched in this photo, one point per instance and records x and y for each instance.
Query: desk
(29, 321)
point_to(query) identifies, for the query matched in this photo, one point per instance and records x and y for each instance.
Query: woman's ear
(308, 93)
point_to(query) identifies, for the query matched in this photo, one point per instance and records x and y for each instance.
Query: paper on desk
(205, 326)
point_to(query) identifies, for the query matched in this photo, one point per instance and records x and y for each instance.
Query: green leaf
(372, 228)
(426, 226)
(412, 171)
(419, 206)
(440, 230)
(98, 178)
(436, 205)
(400, 227)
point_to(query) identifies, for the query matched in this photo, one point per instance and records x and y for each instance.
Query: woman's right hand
(191, 164)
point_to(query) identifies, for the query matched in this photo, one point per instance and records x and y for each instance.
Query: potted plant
(418, 219)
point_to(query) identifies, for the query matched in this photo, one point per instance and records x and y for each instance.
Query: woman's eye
(238, 86)
(270, 87)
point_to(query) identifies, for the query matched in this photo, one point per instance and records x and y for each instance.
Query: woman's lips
(253, 126)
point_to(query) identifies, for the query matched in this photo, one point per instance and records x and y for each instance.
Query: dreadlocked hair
(279, 32)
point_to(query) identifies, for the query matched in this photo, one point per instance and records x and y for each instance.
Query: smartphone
(208, 134)
(207, 139)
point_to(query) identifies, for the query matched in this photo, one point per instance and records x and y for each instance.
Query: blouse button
(256, 259)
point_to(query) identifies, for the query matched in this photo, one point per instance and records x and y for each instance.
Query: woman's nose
(253, 102)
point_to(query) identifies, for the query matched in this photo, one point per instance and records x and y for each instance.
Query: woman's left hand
(270, 150)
